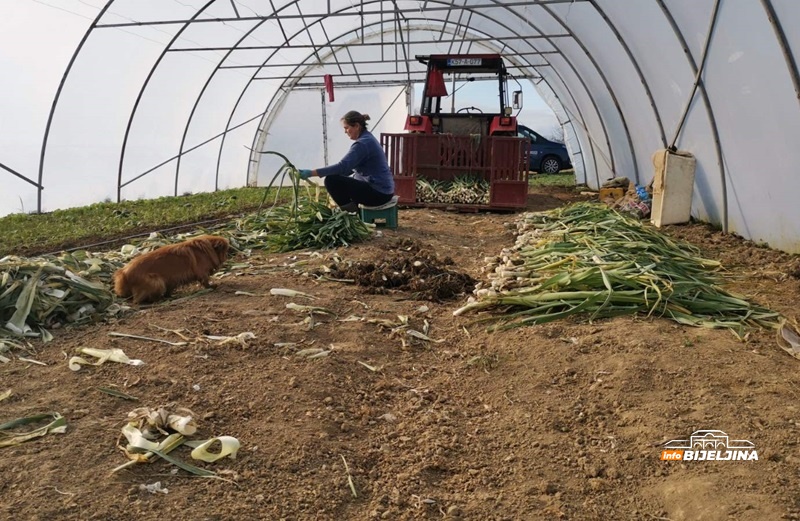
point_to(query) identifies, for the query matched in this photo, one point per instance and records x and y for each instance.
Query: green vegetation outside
(23, 234)
(564, 178)
(27, 234)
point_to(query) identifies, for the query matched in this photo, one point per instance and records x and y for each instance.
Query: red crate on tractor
(442, 157)
(468, 143)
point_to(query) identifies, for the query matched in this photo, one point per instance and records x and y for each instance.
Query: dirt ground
(559, 421)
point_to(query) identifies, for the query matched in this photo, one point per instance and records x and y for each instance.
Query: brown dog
(156, 274)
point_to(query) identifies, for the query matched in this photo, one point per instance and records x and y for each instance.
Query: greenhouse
(572, 294)
(140, 99)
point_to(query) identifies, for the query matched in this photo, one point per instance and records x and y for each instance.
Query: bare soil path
(560, 421)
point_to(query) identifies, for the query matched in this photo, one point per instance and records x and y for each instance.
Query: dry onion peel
(102, 355)
(228, 446)
(284, 292)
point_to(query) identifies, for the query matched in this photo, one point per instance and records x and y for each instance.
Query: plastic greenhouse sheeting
(127, 99)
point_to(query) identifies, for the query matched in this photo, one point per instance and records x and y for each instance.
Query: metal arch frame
(636, 66)
(400, 29)
(568, 91)
(211, 76)
(167, 48)
(17, 174)
(263, 125)
(446, 7)
(274, 15)
(786, 49)
(277, 100)
(230, 49)
(135, 107)
(591, 144)
(459, 24)
(610, 89)
(261, 19)
(577, 105)
(709, 110)
(56, 98)
(385, 60)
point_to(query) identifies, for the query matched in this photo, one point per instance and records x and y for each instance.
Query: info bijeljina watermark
(709, 445)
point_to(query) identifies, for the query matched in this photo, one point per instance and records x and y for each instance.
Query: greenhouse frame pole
(611, 93)
(258, 137)
(786, 49)
(639, 71)
(135, 107)
(14, 172)
(60, 88)
(709, 110)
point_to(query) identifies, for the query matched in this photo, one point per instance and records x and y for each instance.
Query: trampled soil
(559, 421)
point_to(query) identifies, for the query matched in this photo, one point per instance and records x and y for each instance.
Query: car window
(524, 132)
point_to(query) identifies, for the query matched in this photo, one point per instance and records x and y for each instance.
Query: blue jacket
(366, 161)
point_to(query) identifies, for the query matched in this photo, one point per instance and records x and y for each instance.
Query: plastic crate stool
(386, 213)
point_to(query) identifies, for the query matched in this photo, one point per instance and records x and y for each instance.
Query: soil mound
(409, 266)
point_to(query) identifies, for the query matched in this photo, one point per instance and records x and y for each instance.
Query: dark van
(547, 157)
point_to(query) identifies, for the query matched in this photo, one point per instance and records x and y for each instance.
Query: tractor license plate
(461, 62)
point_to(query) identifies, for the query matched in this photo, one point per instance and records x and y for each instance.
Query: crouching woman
(363, 175)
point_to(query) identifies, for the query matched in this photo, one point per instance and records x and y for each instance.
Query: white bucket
(673, 184)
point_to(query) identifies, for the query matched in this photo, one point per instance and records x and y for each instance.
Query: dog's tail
(121, 287)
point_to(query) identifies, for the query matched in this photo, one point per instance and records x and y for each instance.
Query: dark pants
(348, 193)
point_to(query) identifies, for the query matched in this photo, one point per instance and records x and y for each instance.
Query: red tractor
(444, 147)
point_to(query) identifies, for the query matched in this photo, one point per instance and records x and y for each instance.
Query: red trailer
(443, 145)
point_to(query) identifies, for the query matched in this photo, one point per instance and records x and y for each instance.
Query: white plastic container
(673, 184)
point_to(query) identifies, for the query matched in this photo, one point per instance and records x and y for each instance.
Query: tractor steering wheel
(468, 109)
